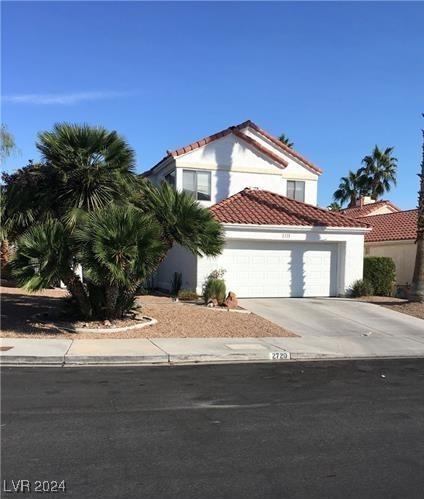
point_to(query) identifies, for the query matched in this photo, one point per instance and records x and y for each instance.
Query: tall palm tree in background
(7, 147)
(334, 206)
(285, 140)
(378, 172)
(7, 143)
(417, 291)
(350, 189)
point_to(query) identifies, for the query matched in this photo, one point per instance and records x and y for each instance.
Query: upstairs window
(296, 190)
(198, 184)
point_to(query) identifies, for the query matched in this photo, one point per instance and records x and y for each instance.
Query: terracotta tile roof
(236, 131)
(397, 226)
(367, 209)
(260, 207)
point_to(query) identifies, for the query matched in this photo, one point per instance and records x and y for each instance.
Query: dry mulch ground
(175, 320)
(396, 304)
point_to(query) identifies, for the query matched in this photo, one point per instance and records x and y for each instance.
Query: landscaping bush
(215, 289)
(362, 287)
(380, 271)
(187, 295)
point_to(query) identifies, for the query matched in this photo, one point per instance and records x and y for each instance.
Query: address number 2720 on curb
(283, 355)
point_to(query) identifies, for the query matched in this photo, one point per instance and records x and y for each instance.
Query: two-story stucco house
(278, 242)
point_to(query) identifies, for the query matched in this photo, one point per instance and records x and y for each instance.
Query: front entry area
(280, 269)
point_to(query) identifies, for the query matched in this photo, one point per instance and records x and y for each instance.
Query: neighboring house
(278, 242)
(393, 234)
(365, 206)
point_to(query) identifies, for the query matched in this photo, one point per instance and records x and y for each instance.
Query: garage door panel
(275, 269)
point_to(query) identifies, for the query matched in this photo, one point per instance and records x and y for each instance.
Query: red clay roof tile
(397, 226)
(367, 209)
(260, 207)
(236, 131)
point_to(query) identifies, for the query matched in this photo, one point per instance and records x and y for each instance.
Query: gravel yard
(175, 320)
(396, 304)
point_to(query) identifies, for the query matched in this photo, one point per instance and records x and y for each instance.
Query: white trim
(389, 242)
(296, 228)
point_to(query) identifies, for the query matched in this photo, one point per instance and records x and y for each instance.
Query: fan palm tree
(92, 166)
(285, 140)
(119, 248)
(182, 220)
(84, 205)
(379, 172)
(45, 254)
(417, 291)
(350, 189)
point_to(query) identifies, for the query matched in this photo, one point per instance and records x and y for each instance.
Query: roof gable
(276, 155)
(369, 209)
(260, 207)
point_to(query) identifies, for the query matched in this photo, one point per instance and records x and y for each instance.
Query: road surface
(291, 430)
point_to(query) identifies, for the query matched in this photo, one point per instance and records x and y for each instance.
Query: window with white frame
(296, 190)
(198, 184)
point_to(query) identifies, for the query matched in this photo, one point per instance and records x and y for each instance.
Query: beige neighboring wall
(403, 254)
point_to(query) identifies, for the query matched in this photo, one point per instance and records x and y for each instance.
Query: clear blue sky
(336, 77)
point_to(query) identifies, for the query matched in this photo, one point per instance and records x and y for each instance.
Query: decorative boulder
(231, 300)
(213, 302)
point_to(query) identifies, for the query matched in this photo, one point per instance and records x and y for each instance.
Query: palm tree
(350, 189)
(92, 166)
(44, 255)
(7, 143)
(417, 291)
(334, 206)
(285, 140)
(119, 247)
(182, 219)
(379, 171)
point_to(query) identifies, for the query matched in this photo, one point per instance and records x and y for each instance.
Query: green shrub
(380, 271)
(215, 289)
(362, 287)
(187, 295)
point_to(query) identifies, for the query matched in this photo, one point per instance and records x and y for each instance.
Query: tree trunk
(111, 311)
(4, 257)
(417, 291)
(77, 290)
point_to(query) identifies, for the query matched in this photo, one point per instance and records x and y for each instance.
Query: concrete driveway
(340, 327)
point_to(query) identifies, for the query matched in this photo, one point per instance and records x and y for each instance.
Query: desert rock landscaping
(175, 320)
(397, 304)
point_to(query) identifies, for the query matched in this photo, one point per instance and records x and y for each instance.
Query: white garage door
(280, 269)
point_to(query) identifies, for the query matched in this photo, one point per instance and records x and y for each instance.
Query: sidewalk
(64, 352)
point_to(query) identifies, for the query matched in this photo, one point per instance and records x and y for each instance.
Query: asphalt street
(352, 429)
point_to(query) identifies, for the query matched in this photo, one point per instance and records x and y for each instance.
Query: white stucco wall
(234, 165)
(350, 249)
(403, 254)
(178, 259)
